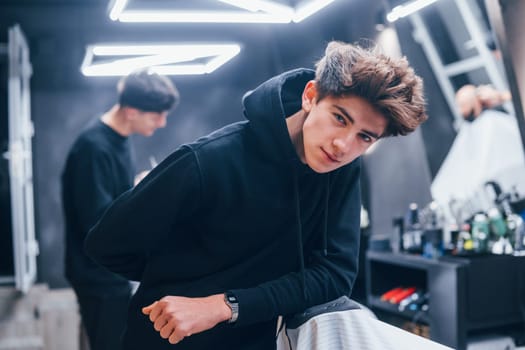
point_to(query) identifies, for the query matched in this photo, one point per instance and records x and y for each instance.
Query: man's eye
(340, 119)
(365, 137)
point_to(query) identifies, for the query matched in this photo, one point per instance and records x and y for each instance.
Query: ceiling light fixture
(407, 9)
(116, 8)
(148, 16)
(255, 11)
(308, 8)
(119, 59)
(261, 5)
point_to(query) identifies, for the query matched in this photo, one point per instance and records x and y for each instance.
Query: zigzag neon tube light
(255, 11)
(174, 59)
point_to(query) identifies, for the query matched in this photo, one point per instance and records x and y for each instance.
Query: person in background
(471, 100)
(487, 148)
(259, 218)
(99, 168)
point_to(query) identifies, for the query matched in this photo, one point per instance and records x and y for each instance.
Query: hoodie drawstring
(300, 227)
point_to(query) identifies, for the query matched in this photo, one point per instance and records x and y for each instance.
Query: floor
(47, 319)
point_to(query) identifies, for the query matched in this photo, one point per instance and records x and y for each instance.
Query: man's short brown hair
(389, 84)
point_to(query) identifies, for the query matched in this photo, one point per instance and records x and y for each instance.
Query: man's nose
(343, 144)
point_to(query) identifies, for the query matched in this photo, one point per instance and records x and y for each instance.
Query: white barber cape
(354, 329)
(488, 149)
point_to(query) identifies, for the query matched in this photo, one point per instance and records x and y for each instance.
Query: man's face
(145, 123)
(337, 130)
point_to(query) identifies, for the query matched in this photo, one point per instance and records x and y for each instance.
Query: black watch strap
(231, 300)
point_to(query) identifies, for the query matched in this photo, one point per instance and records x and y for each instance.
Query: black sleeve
(92, 184)
(327, 277)
(142, 216)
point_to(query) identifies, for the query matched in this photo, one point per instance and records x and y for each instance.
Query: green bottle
(480, 233)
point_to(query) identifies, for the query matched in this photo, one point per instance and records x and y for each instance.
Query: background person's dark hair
(147, 91)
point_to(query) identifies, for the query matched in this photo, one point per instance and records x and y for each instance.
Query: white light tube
(219, 60)
(262, 5)
(191, 50)
(201, 17)
(129, 64)
(116, 10)
(161, 58)
(407, 9)
(305, 10)
(243, 4)
(260, 11)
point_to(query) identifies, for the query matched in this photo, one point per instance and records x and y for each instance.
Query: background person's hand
(472, 100)
(490, 97)
(467, 101)
(178, 317)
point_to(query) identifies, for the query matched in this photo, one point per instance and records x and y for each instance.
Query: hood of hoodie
(268, 106)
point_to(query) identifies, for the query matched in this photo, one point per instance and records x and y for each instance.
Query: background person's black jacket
(99, 168)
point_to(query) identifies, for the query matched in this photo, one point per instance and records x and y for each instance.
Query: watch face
(232, 299)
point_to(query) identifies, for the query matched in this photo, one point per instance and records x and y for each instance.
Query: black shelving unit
(419, 316)
(466, 295)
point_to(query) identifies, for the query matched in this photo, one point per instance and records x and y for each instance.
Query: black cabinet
(466, 295)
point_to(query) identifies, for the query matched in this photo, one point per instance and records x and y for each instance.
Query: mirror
(453, 37)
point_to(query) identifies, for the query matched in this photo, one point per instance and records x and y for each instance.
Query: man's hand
(178, 317)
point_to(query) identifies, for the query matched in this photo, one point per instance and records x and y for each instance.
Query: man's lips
(331, 156)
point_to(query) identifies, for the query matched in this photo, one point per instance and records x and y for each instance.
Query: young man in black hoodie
(260, 218)
(98, 169)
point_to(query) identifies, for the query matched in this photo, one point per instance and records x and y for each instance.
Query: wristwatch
(231, 300)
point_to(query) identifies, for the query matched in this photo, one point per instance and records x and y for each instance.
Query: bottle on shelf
(412, 237)
(480, 233)
(499, 229)
(398, 229)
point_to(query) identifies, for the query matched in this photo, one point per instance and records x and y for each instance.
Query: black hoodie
(236, 210)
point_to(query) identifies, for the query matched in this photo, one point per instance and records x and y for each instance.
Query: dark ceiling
(59, 30)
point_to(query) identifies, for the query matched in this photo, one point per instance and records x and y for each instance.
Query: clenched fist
(176, 318)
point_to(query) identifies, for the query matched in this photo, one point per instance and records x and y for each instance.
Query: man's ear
(309, 95)
(130, 112)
